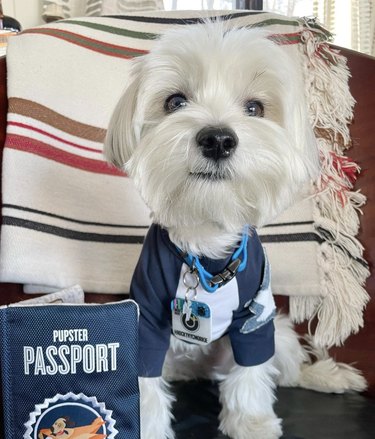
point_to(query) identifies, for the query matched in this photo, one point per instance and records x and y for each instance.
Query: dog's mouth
(209, 176)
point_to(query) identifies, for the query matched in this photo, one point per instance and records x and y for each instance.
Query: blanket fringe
(339, 308)
(303, 308)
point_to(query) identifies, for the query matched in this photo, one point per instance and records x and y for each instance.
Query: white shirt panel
(222, 302)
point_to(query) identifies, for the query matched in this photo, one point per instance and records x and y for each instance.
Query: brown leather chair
(359, 348)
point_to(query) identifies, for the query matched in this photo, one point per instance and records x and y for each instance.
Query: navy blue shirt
(243, 308)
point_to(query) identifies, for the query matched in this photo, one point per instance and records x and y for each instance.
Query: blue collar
(237, 263)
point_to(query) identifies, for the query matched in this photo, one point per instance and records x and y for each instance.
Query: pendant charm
(191, 321)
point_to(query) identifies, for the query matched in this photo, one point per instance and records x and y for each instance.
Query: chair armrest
(3, 106)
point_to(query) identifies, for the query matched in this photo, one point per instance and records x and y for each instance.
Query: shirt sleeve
(150, 288)
(255, 347)
(252, 330)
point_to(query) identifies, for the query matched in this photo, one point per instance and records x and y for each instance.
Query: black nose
(217, 143)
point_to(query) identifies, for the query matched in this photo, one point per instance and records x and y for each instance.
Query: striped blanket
(69, 218)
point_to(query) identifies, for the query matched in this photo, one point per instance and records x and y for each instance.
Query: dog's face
(58, 425)
(213, 129)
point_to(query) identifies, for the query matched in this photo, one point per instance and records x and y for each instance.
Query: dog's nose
(217, 143)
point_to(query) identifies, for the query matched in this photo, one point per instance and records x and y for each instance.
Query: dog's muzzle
(217, 143)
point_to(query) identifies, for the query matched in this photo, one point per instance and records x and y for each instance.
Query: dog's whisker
(258, 74)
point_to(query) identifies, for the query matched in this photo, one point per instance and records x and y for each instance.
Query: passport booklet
(70, 371)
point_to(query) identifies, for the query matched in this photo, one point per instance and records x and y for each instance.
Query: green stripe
(300, 23)
(296, 24)
(273, 21)
(113, 30)
(313, 24)
(285, 39)
(153, 36)
(83, 41)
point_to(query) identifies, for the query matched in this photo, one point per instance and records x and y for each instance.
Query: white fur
(247, 396)
(155, 408)
(218, 71)
(326, 375)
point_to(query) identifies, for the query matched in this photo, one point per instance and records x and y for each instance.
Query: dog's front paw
(155, 409)
(243, 426)
(156, 431)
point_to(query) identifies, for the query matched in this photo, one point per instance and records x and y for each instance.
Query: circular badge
(191, 324)
(70, 415)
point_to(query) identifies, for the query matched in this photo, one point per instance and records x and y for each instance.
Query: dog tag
(193, 325)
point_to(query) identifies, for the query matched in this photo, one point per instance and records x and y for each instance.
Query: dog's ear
(125, 124)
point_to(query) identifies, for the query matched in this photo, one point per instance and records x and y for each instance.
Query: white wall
(27, 12)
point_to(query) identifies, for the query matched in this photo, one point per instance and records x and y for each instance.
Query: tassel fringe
(339, 309)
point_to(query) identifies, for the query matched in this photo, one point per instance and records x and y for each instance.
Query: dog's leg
(297, 368)
(289, 353)
(156, 409)
(247, 397)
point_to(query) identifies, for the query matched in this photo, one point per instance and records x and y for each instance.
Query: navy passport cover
(70, 371)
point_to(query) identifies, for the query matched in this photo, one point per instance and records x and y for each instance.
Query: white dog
(214, 131)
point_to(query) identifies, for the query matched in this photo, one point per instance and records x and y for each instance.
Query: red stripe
(286, 39)
(21, 143)
(100, 46)
(38, 130)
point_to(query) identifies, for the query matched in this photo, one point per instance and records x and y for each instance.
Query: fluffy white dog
(214, 131)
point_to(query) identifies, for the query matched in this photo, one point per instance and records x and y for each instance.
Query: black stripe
(166, 20)
(310, 237)
(71, 234)
(329, 237)
(295, 223)
(361, 261)
(52, 215)
(292, 237)
(128, 239)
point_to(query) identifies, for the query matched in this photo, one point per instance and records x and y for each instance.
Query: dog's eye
(174, 102)
(254, 108)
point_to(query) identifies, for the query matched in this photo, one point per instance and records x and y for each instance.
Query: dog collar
(236, 264)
